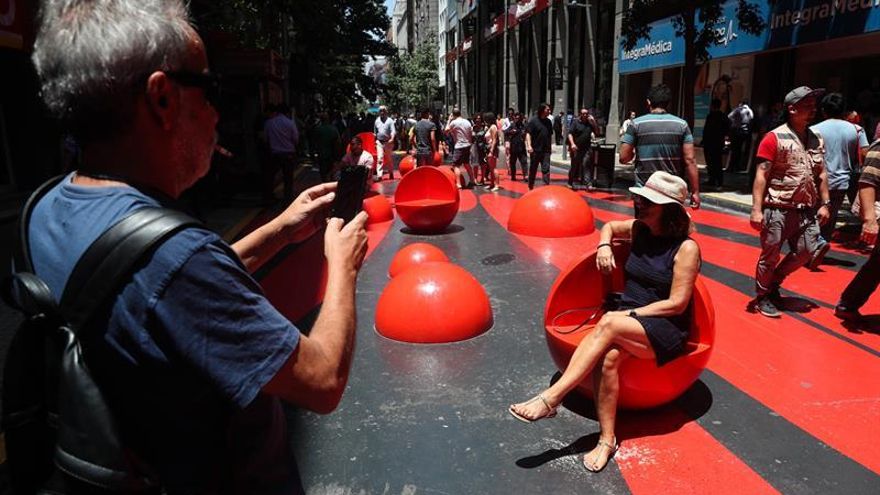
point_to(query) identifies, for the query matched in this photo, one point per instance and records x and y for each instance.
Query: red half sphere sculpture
(415, 254)
(433, 303)
(577, 296)
(378, 208)
(406, 165)
(551, 211)
(426, 200)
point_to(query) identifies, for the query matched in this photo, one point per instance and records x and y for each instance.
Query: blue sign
(788, 23)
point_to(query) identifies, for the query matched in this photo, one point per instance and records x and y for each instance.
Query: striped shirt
(871, 172)
(658, 140)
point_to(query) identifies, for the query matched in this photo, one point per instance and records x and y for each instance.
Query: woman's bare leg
(606, 389)
(623, 331)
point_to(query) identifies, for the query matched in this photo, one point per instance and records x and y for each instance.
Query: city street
(781, 407)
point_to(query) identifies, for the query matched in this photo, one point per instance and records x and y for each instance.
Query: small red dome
(378, 208)
(406, 165)
(433, 303)
(415, 254)
(551, 211)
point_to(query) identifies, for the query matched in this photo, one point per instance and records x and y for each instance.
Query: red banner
(451, 55)
(528, 8)
(467, 45)
(16, 26)
(494, 29)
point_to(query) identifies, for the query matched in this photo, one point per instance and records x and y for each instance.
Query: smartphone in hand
(350, 192)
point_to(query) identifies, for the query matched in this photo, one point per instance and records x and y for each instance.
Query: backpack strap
(21, 254)
(111, 259)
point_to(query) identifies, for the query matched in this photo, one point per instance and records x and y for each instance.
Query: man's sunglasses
(209, 83)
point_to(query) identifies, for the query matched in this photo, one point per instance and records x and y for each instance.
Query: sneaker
(766, 307)
(818, 255)
(847, 314)
(497, 187)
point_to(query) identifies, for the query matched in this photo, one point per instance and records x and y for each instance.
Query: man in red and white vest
(789, 198)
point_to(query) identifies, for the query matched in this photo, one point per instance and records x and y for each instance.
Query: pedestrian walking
(424, 139)
(580, 140)
(539, 132)
(328, 146)
(845, 144)
(740, 136)
(462, 133)
(490, 140)
(385, 133)
(515, 142)
(557, 128)
(865, 282)
(789, 196)
(714, 133)
(282, 135)
(659, 140)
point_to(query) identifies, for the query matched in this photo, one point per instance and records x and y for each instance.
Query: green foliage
(412, 78)
(327, 42)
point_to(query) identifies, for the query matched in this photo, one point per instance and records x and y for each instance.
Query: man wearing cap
(385, 133)
(789, 195)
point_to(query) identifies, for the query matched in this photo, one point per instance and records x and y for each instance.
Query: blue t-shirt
(658, 139)
(188, 345)
(842, 143)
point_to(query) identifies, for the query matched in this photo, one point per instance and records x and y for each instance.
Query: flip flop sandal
(551, 411)
(612, 450)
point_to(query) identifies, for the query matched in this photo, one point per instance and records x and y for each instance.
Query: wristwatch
(826, 203)
(632, 313)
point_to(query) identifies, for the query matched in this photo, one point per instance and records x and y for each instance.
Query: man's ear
(162, 99)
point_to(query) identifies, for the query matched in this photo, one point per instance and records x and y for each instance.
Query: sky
(389, 6)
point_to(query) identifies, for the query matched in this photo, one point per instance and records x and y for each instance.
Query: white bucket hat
(663, 188)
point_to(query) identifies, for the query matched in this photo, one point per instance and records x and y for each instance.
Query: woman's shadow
(693, 404)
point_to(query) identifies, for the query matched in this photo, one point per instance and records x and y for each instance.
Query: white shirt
(384, 130)
(365, 160)
(462, 132)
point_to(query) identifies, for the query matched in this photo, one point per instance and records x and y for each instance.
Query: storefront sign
(15, 24)
(788, 23)
(528, 8)
(467, 44)
(494, 29)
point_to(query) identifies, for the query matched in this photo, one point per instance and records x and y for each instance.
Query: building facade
(833, 44)
(507, 53)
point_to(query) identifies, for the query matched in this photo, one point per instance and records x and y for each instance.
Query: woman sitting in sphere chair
(655, 315)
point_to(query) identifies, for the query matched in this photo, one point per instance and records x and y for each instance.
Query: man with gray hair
(191, 357)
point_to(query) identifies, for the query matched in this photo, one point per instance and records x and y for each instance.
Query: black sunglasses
(208, 82)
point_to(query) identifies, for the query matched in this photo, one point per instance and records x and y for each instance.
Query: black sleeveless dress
(649, 279)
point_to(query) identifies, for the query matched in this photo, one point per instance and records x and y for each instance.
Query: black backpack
(61, 436)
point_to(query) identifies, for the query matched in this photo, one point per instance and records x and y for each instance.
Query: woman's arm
(610, 231)
(686, 267)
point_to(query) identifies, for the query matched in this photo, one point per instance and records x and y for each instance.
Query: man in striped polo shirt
(865, 282)
(661, 141)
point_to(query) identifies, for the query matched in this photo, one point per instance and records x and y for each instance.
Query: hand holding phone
(350, 192)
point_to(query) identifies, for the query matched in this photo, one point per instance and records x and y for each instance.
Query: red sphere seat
(406, 165)
(426, 200)
(577, 296)
(435, 302)
(377, 207)
(415, 254)
(551, 211)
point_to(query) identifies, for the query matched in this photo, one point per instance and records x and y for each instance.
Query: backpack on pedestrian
(61, 434)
